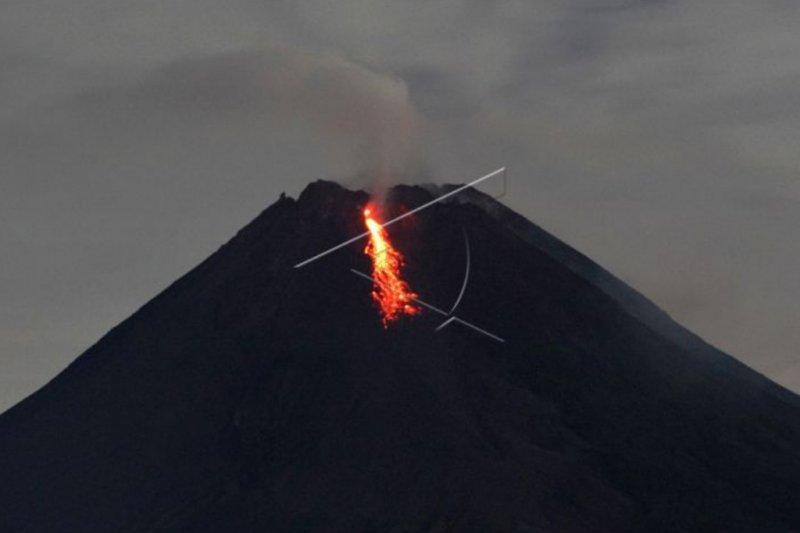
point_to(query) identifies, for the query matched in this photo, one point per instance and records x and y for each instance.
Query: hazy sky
(659, 137)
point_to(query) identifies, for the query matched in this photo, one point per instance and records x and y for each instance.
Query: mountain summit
(253, 396)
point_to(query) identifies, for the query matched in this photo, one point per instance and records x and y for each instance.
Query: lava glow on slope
(390, 291)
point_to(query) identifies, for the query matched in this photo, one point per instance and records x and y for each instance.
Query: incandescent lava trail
(390, 291)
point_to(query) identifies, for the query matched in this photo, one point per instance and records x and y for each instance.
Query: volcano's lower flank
(254, 396)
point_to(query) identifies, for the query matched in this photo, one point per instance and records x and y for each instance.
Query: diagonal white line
(476, 328)
(417, 300)
(401, 217)
(436, 310)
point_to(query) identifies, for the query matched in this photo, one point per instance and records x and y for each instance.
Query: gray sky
(658, 137)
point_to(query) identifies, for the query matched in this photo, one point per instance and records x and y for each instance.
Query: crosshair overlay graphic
(450, 317)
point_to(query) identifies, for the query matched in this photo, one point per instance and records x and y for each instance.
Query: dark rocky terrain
(251, 396)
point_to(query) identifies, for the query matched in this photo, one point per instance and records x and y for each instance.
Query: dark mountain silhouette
(251, 396)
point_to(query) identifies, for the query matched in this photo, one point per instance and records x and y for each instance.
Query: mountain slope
(253, 396)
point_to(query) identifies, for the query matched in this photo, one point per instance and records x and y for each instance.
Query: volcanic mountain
(253, 396)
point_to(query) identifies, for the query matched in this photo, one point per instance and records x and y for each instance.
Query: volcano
(253, 396)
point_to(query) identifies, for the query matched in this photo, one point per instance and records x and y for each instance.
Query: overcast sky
(658, 137)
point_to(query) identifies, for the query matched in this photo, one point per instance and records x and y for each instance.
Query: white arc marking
(466, 276)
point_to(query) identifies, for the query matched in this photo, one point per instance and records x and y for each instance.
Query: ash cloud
(360, 117)
(364, 113)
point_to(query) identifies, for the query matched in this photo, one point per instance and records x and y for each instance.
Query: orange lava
(390, 291)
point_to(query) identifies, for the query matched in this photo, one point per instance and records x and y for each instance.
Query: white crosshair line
(401, 217)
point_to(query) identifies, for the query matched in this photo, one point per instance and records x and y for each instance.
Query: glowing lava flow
(390, 291)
